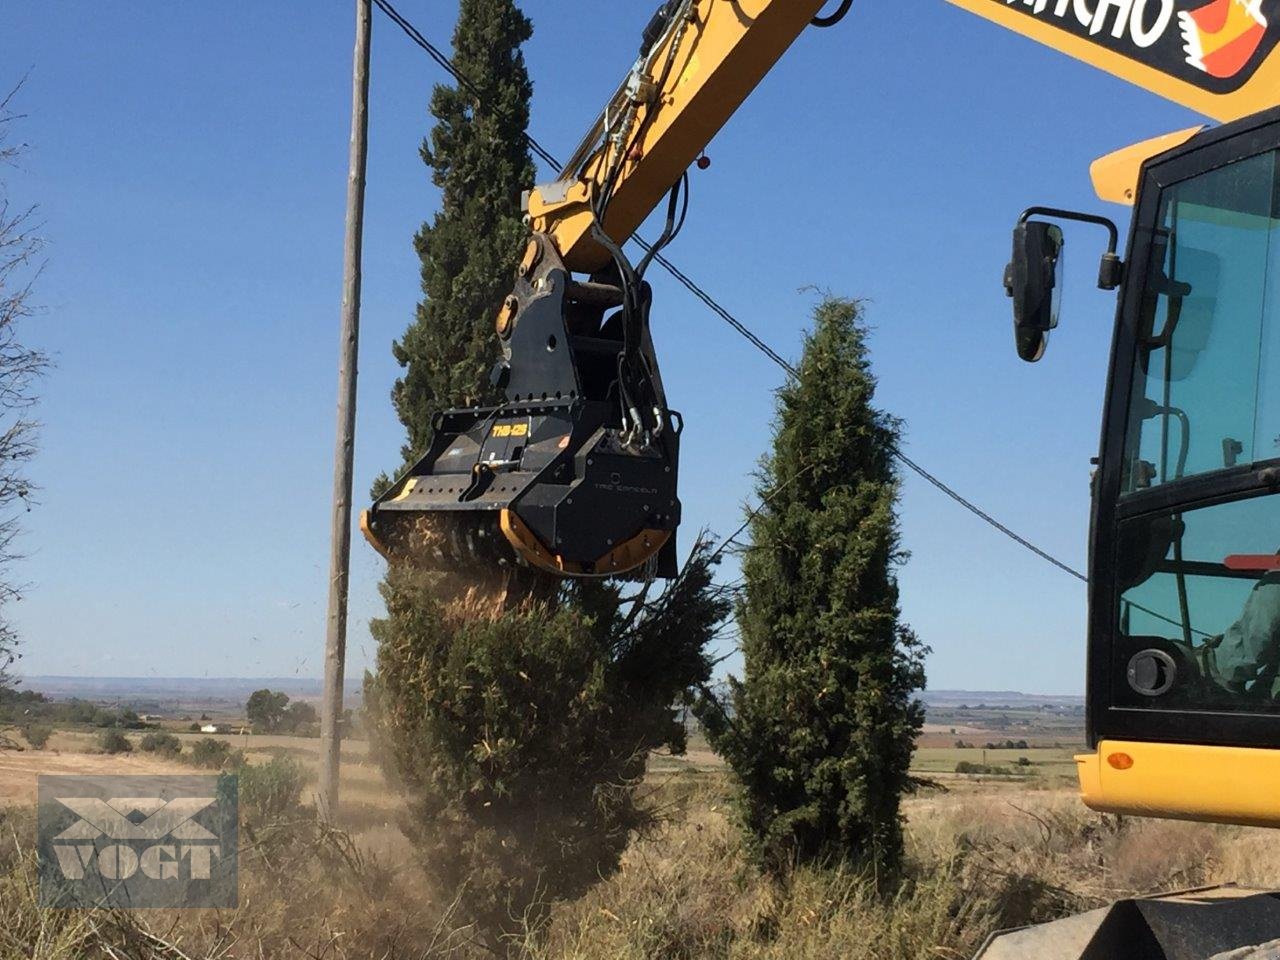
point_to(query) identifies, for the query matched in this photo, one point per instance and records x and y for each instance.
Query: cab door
(1185, 563)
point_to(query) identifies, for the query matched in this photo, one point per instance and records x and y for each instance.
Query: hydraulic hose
(833, 19)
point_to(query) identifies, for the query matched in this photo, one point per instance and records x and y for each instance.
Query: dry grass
(30, 933)
(320, 895)
(979, 861)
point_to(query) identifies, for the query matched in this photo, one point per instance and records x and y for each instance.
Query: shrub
(985, 769)
(520, 738)
(271, 791)
(37, 735)
(113, 741)
(210, 753)
(165, 744)
(301, 719)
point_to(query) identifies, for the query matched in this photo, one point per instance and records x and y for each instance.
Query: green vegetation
(520, 741)
(36, 734)
(302, 720)
(27, 706)
(163, 744)
(271, 712)
(519, 730)
(821, 728)
(211, 754)
(265, 710)
(479, 159)
(113, 741)
(271, 792)
(965, 766)
(1053, 766)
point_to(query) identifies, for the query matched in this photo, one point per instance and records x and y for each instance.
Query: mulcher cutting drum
(547, 483)
(558, 477)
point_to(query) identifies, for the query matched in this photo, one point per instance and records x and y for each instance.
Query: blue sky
(190, 164)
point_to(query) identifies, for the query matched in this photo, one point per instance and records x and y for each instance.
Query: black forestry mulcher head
(575, 474)
(547, 483)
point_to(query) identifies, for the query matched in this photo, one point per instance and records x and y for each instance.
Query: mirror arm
(1073, 215)
(1111, 271)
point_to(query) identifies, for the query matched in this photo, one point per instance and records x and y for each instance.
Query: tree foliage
(518, 729)
(820, 730)
(271, 711)
(113, 741)
(300, 717)
(165, 744)
(480, 161)
(20, 369)
(212, 754)
(520, 740)
(36, 734)
(266, 709)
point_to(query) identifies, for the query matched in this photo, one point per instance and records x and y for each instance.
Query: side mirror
(1033, 279)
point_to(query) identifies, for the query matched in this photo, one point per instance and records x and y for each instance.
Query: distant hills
(997, 698)
(239, 688)
(177, 688)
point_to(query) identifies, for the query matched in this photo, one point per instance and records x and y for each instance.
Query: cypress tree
(518, 727)
(820, 730)
(520, 741)
(480, 160)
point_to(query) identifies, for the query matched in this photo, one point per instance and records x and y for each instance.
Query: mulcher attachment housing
(566, 475)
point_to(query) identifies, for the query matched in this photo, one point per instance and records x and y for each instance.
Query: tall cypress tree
(480, 161)
(521, 741)
(519, 728)
(821, 729)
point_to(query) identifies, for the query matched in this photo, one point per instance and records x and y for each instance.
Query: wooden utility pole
(335, 640)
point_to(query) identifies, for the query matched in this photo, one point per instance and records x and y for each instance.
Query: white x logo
(170, 818)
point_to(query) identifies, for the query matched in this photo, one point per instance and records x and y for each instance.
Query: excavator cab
(1184, 585)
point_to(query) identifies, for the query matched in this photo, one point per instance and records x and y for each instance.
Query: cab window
(1206, 392)
(1199, 610)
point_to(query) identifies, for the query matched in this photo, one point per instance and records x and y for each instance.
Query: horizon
(350, 682)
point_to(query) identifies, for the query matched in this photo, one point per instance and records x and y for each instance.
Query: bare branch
(21, 367)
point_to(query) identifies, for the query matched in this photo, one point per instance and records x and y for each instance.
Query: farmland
(985, 852)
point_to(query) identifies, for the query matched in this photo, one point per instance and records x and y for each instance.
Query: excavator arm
(575, 474)
(699, 62)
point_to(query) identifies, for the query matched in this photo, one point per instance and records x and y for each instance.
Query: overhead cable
(714, 305)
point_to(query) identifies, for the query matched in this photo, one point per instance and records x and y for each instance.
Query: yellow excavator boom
(679, 95)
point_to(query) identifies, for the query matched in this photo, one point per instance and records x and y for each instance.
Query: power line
(446, 64)
(712, 304)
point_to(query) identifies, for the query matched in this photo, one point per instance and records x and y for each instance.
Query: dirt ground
(366, 801)
(18, 771)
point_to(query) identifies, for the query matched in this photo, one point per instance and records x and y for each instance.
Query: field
(987, 851)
